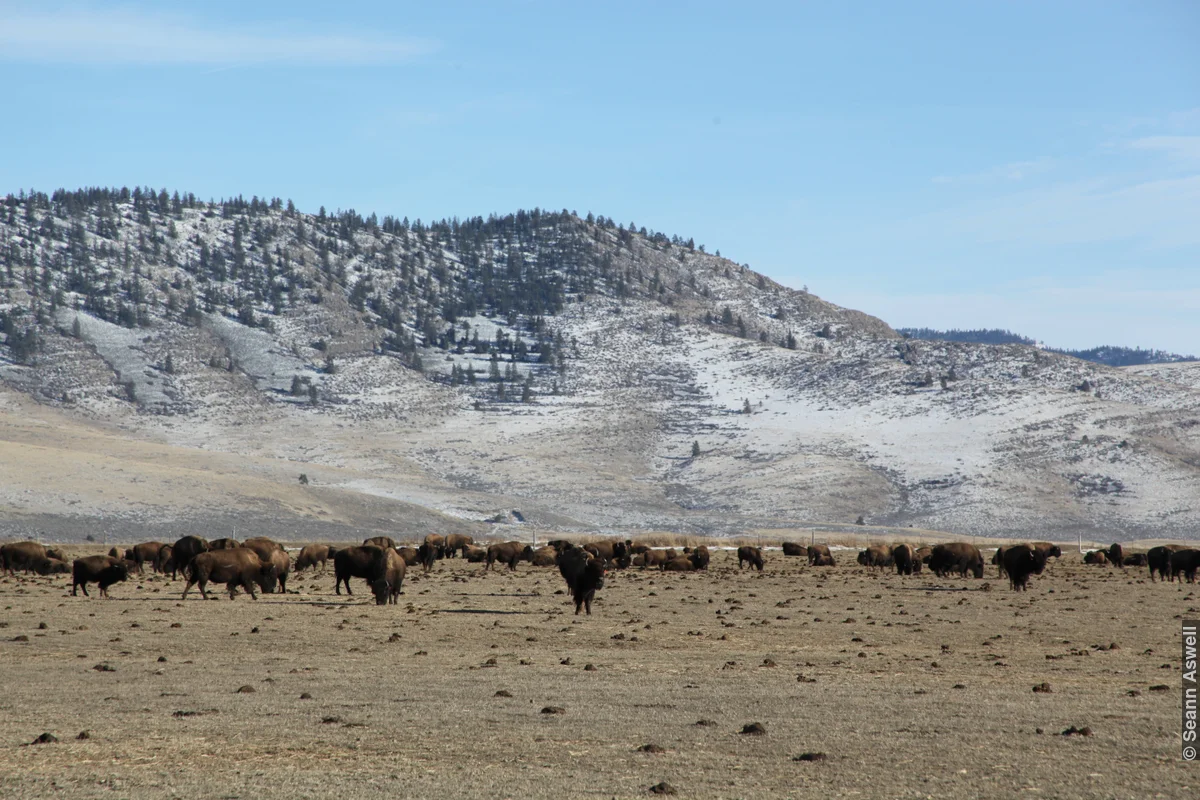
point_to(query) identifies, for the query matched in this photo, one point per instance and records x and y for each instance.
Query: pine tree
(169, 365)
(695, 449)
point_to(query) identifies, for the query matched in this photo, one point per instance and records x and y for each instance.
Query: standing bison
(311, 555)
(270, 551)
(235, 568)
(903, 556)
(1116, 555)
(1159, 560)
(875, 556)
(380, 541)
(224, 544)
(959, 557)
(1020, 562)
(183, 551)
(819, 556)
(998, 560)
(367, 562)
(21, 555)
(583, 574)
(457, 544)
(750, 555)
(103, 570)
(1185, 563)
(144, 553)
(508, 553)
(1051, 550)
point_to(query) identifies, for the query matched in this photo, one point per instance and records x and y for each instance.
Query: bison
(751, 555)
(477, 555)
(457, 544)
(21, 555)
(1020, 562)
(184, 550)
(57, 553)
(610, 551)
(386, 586)
(1116, 555)
(584, 575)
(104, 570)
(651, 558)
(437, 543)
(680, 564)
(240, 566)
(998, 560)
(165, 558)
(1185, 563)
(381, 541)
(794, 549)
(819, 556)
(1159, 560)
(311, 555)
(508, 553)
(1051, 550)
(1095, 557)
(144, 553)
(366, 562)
(542, 557)
(875, 556)
(700, 557)
(959, 557)
(51, 566)
(903, 556)
(1135, 560)
(224, 544)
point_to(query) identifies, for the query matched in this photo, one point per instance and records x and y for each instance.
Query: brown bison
(1184, 563)
(311, 555)
(1051, 550)
(367, 562)
(700, 557)
(162, 563)
(1116, 555)
(270, 551)
(386, 587)
(21, 555)
(104, 570)
(51, 566)
(583, 574)
(923, 553)
(1159, 560)
(1135, 560)
(542, 557)
(437, 543)
(903, 556)
(637, 548)
(959, 557)
(1020, 562)
(240, 566)
(751, 555)
(224, 544)
(680, 564)
(998, 560)
(477, 555)
(508, 553)
(650, 558)
(1095, 557)
(144, 553)
(875, 556)
(457, 544)
(183, 551)
(819, 555)
(794, 549)
(58, 554)
(380, 541)
(610, 551)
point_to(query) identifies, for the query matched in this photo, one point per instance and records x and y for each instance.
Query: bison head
(382, 589)
(862, 558)
(268, 578)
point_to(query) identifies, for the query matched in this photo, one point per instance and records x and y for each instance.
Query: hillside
(1113, 356)
(168, 363)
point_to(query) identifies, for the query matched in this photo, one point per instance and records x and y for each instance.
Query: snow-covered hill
(159, 331)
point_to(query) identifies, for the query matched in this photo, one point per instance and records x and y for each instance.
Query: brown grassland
(910, 686)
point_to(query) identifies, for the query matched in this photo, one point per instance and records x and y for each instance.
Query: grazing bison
(959, 557)
(380, 541)
(751, 555)
(584, 575)
(700, 557)
(457, 544)
(240, 566)
(311, 555)
(21, 555)
(508, 553)
(184, 550)
(1020, 562)
(1135, 560)
(224, 544)
(51, 566)
(903, 556)
(875, 556)
(144, 553)
(1051, 550)
(542, 557)
(104, 570)
(270, 551)
(998, 560)
(367, 562)
(1159, 560)
(794, 549)
(1116, 555)
(1185, 563)
(1095, 557)
(386, 587)
(819, 556)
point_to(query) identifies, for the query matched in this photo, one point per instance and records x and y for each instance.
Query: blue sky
(1033, 166)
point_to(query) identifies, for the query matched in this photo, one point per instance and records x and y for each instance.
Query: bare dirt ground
(911, 687)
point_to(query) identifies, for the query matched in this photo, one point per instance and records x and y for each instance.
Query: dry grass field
(910, 687)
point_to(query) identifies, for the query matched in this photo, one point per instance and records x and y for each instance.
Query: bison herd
(264, 565)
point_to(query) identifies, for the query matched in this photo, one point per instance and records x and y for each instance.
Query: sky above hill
(1023, 165)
